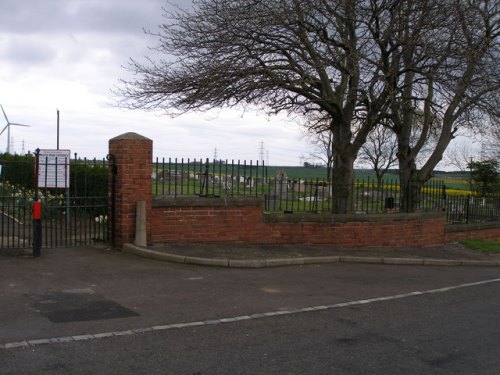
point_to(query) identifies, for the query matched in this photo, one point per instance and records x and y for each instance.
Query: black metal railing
(204, 177)
(215, 178)
(16, 196)
(469, 208)
(73, 213)
(77, 214)
(362, 196)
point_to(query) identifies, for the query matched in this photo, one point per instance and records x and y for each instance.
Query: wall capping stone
(326, 217)
(130, 136)
(452, 228)
(189, 201)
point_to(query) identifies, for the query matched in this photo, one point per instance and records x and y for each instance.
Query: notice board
(53, 169)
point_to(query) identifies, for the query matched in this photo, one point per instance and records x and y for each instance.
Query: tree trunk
(343, 171)
(342, 185)
(409, 184)
(380, 176)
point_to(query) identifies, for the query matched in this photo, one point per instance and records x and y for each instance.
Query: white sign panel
(53, 169)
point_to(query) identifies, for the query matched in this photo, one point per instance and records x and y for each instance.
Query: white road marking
(38, 342)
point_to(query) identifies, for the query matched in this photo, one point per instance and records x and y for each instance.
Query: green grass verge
(482, 245)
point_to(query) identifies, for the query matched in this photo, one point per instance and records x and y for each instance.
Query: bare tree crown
(345, 66)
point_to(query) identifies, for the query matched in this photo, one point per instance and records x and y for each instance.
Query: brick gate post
(132, 154)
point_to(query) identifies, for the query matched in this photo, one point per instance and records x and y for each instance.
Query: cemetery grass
(452, 180)
(455, 183)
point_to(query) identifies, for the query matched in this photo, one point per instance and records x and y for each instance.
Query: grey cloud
(23, 51)
(73, 16)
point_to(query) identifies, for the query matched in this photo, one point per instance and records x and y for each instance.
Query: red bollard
(37, 228)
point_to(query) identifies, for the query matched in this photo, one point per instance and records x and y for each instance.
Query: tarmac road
(86, 310)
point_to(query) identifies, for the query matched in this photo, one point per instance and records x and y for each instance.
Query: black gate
(74, 212)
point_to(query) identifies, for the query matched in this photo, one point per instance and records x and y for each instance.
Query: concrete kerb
(280, 262)
(354, 259)
(404, 261)
(151, 254)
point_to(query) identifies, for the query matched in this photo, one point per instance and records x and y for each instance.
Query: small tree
(459, 156)
(485, 176)
(491, 143)
(379, 151)
(322, 143)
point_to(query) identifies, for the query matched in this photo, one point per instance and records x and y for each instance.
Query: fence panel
(366, 196)
(472, 209)
(77, 214)
(206, 178)
(74, 215)
(16, 195)
(215, 178)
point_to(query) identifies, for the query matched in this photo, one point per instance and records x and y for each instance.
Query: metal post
(37, 212)
(467, 206)
(443, 197)
(67, 179)
(114, 171)
(58, 129)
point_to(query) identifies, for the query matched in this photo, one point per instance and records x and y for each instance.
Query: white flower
(101, 219)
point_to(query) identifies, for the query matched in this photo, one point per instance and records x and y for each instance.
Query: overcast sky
(69, 54)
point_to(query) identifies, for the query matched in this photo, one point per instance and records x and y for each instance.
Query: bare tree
(322, 148)
(349, 65)
(491, 143)
(379, 151)
(459, 156)
(444, 62)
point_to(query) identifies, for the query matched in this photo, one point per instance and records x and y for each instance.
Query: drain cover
(78, 305)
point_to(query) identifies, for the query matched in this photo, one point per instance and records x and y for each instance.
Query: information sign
(53, 169)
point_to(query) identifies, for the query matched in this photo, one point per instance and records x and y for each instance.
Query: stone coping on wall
(169, 201)
(452, 228)
(273, 217)
(326, 217)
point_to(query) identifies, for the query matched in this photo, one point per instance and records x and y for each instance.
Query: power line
(261, 151)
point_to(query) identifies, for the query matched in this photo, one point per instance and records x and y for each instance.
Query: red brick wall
(242, 220)
(189, 221)
(479, 231)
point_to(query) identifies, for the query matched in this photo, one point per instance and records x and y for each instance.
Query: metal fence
(365, 196)
(205, 178)
(215, 178)
(71, 215)
(469, 208)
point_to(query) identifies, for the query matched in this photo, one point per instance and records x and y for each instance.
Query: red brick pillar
(132, 154)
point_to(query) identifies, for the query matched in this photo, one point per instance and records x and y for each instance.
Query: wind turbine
(7, 127)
